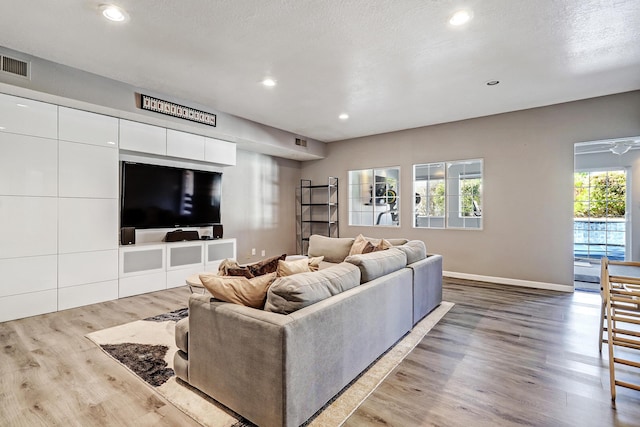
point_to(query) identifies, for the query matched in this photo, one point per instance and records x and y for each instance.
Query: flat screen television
(166, 197)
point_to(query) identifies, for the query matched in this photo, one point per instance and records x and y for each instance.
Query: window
(374, 197)
(448, 194)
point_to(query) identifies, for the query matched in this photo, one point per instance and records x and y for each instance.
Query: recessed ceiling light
(343, 116)
(22, 105)
(113, 13)
(269, 82)
(461, 17)
(492, 82)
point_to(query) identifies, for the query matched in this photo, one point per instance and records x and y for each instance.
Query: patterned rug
(146, 348)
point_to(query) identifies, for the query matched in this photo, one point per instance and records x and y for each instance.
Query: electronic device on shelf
(155, 196)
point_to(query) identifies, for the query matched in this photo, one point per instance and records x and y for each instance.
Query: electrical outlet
(264, 252)
(253, 251)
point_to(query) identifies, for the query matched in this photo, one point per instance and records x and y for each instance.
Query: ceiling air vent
(301, 142)
(15, 66)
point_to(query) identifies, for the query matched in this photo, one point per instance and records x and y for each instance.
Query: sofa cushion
(238, 290)
(361, 246)
(377, 264)
(229, 267)
(415, 250)
(291, 293)
(287, 268)
(334, 249)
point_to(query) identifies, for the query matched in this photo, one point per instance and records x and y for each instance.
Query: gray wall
(528, 182)
(259, 205)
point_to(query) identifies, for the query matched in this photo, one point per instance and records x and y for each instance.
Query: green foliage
(470, 192)
(599, 194)
(431, 204)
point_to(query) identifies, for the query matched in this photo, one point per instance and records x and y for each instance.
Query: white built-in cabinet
(59, 209)
(28, 207)
(217, 151)
(152, 267)
(143, 138)
(185, 145)
(87, 208)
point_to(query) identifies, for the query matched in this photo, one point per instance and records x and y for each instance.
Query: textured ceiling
(389, 64)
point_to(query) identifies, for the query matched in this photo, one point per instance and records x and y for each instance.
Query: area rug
(146, 348)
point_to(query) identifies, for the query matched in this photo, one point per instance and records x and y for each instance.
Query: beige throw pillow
(287, 268)
(381, 245)
(239, 290)
(314, 263)
(361, 246)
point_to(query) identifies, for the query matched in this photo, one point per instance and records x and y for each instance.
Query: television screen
(166, 197)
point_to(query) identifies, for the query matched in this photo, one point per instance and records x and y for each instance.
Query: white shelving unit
(59, 201)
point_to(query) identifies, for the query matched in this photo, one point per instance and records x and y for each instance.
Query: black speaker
(179, 236)
(127, 236)
(217, 231)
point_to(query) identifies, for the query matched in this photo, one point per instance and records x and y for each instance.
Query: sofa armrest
(427, 285)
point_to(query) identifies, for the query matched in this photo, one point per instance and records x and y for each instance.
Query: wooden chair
(621, 309)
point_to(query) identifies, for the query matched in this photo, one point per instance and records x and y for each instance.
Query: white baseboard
(512, 282)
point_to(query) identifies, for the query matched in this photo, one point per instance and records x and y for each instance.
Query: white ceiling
(389, 64)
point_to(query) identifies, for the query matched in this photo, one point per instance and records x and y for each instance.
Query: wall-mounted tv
(166, 197)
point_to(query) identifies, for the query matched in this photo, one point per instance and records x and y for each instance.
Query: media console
(149, 267)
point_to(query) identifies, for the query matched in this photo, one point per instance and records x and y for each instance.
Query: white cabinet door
(177, 278)
(87, 267)
(87, 128)
(144, 138)
(219, 151)
(88, 171)
(28, 117)
(135, 285)
(142, 259)
(185, 145)
(76, 296)
(25, 305)
(88, 225)
(26, 275)
(28, 165)
(29, 226)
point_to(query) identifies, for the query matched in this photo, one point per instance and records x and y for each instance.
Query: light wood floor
(505, 357)
(501, 356)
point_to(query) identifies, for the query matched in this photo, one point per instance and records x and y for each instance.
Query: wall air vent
(301, 142)
(14, 66)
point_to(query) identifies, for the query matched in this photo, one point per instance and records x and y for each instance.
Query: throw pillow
(239, 290)
(382, 245)
(287, 268)
(265, 266)
(225, 265)
(314, 263)
(361, 246)
(239, 271)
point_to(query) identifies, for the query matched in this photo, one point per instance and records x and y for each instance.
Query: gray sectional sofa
(318, 331)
